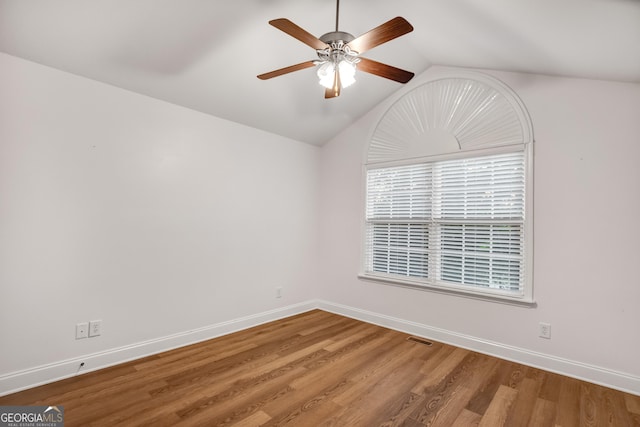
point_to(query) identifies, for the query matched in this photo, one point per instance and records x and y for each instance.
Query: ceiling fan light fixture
(338, 57)
(326, 74)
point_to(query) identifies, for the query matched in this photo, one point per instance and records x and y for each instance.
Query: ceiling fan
(339, 53)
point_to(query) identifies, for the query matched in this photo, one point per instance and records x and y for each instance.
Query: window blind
(456, 223)
(398, 207)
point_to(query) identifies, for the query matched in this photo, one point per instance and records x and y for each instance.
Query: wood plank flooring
(319, 369)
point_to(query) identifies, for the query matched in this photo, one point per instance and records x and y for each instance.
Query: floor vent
(419, 340)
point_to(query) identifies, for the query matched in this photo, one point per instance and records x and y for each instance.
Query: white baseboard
(28, 378)
(17, 381)
(594, 374)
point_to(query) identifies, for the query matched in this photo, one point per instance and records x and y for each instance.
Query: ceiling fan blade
(329, 93)
(287, 70)
(295, 31)
(390, 30)
(333, 91)
(384, 70)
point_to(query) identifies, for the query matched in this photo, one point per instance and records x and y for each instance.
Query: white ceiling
(205, 54)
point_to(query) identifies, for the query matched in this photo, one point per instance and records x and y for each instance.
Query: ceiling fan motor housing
(337, 36)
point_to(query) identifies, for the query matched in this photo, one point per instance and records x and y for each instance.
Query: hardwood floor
(319, 369)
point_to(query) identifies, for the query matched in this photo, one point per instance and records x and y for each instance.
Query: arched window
(449, 190)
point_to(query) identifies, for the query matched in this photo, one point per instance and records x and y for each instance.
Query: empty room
(320, 213)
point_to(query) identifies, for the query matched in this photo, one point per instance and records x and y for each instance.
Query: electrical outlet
(545, 330)
(82, 330)
(279, 292)
(95, 328)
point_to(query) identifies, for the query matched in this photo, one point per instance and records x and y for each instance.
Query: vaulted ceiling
(205, 54)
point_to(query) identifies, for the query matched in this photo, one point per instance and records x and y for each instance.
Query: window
(456, 224)
(448, 190)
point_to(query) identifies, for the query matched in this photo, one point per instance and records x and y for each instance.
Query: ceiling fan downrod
(337, 37)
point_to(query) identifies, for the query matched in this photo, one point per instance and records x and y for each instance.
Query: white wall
(587, 207)
(156, 219)
(160, 220)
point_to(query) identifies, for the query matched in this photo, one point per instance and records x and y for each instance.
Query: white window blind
(455, 223)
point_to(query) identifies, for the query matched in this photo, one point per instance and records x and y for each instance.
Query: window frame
(527, 297)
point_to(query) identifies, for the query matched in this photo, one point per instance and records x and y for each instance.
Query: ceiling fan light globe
(347, 73)
(326, 74)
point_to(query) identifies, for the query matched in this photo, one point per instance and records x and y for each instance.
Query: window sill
(501, 299)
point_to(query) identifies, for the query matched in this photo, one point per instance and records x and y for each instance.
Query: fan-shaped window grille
(448, 190)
